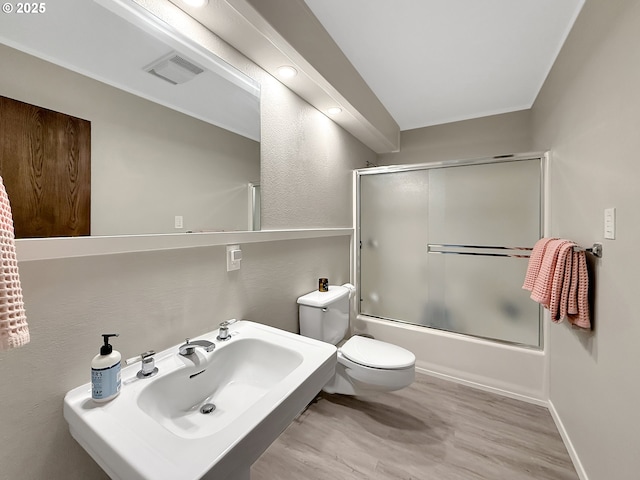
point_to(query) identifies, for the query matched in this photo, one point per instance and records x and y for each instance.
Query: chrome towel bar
(523, 252)
(596, 250)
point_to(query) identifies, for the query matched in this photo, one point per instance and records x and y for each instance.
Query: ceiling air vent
(174, 68)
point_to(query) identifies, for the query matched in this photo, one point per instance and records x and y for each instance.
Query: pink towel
(582, 318)
(543, 284)
(14, 331)
(561, 282)
(535, 262)
(572, 306)
(558, 279)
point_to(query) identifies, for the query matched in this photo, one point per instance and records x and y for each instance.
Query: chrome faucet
(189, 347)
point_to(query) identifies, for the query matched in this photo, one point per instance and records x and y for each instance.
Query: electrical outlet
(178, 221)
(234, 257)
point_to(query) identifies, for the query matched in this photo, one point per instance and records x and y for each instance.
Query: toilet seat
(376, 354)
(367, 366)
(353, 378)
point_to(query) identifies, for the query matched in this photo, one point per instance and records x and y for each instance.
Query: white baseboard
(480, 386)
(582, 474)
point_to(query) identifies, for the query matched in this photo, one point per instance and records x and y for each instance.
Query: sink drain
(207, 408)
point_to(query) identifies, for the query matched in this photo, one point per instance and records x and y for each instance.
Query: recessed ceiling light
(196, 3)
(334, 110)
(287, 71)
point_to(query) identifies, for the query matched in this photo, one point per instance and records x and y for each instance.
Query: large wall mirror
(175, 131)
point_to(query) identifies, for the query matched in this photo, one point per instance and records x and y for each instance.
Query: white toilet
(365, 365)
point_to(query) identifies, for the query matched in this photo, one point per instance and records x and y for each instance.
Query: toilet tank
(325, 315)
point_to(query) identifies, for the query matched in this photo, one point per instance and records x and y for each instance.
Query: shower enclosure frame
(543, 157)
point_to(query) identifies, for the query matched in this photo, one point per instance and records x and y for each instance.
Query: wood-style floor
(433, 430)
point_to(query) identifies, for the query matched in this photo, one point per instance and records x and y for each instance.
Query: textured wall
(587, 115)
(306, 181)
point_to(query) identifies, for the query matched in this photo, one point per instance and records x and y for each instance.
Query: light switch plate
(177, 221)
(610, 223)
(234, 257)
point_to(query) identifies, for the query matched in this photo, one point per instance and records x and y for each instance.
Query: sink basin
(237, 376)
(208, 415)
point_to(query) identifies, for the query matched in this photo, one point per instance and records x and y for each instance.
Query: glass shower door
(393, 234)
(427, 253)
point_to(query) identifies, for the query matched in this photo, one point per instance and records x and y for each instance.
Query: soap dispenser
(105, 372)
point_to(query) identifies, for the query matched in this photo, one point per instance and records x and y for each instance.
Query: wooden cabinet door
(45, 163)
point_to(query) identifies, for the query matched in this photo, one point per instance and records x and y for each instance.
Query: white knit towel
(14, 331)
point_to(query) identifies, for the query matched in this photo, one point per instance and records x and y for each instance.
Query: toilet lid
(377, 354)
(323, 299)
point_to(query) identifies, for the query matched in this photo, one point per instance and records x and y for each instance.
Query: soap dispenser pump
(105, 372)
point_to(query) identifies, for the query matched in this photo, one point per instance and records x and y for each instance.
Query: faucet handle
(149, 368)
(223, 330)
(138, 358)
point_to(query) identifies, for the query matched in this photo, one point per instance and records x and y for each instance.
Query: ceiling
(401, 63)
(437, 61)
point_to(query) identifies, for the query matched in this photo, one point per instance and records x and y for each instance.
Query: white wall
(148, 162)
(477, 138)
(587, 115)
(156, 299)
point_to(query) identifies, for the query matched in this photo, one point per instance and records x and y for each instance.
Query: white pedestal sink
(258, 381)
